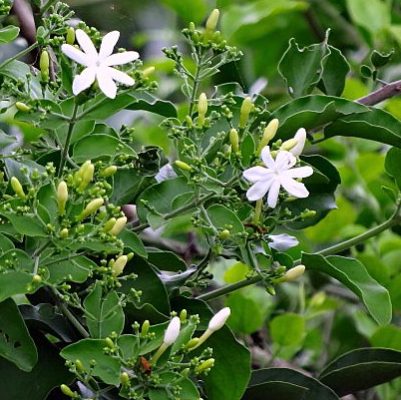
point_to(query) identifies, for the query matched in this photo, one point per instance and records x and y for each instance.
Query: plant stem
(68, 140)
(20, 54)
(390, 90)
(337, 248)
(196, 85)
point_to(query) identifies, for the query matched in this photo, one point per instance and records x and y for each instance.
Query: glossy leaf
(27, 224)
(276, 390)
(133, 243)
(223, 218)
(353, 274)
(8, 34)
(393, 164)
(14, 282)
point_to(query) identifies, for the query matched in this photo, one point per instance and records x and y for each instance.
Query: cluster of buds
(84, 176)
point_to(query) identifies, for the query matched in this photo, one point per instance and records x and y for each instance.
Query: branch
(23, 12)
(386, 92)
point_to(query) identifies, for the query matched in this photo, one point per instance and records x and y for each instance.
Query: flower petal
(258, 190)
(84, 80)
(294, 188)
(300, 137)
(87, 45)
(285, 160)
(121, 77)
(75, 54)
(255, 174)
(108, 43)
(120, 58)
(106, 83)
(273, 194)
(301, 172)
(282, 242)
(267, 158)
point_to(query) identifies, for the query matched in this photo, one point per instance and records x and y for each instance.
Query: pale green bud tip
(62, 196)
(70, 38)
(234, 139)
(289, 144)
(36, 279)
(79, 366)
(22, 107)
(202, 104)
(269, 133)
(172, 331)
(193, 343)
(92, 207)
(17, 187)
(124, 378)
(182, 165)
(119, 265)
(118, 226)
(294, 273)
(213, 19)
(64, 233)
(218, 320)
(148, 71)
(67, 391)
(246, 109)
(109, 224)
(224, 234)
(145, 327)
(44, 64)
(205, 365)
(109, 171)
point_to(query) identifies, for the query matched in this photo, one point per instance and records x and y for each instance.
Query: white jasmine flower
(98, 64)
(218, 320)
(282, 242)
(172, 331)
(277, 173)
(166, 172)
(300, 137)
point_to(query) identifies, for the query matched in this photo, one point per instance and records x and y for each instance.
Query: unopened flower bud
(70, 37)
(246, 108)
(118, 226)
(64, 233)
(17, 187)
(183, 315)
(205, 366)
(192, 343)
(224, 234)
(219, 319)
(172, 331)
(213, 19)
(124, 378)
(308, 214)
(109, 224)
(109, 171)
(44, 64)
(36, 279)
(202, 108)
(109, 343)
(289, 144)
(268, 134)
(119, 265)
(294, 273)
(79, 366)
(87, 175)
(130, 256)
(22, 107)
(68, 392)
(234, 140)
(148, 71)
(62, 197)
(182, 165)
(92, 207)
(145, 328)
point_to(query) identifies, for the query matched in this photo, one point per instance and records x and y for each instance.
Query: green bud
(79, 366)
(22, 107)
(87, 175)
(92, 207)
(205, 366)
(202, 108)
(183, 315)
(308, 214)
(268, 134)
(145, 328)
(192, 343)
(118, 226)
(17, 187)
(62, 197)
(213, 19)
(224, 234)
(119, 265)
(70, 37)
(148, 71)
(234, 140)
(109, 224)
(109, 343)
(124, 378)
(182, 165)
(130, 256)
(44, 64)
(68, 392)
(246, 108)
(289, 144)
(64, 233)
(109, 171)
(36, 279)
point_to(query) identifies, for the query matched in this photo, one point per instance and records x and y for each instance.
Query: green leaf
(302, 81)
(133, 243)
(315, 389)
(8, 34)
(288, 329)
(361, 369)
(16, 345)
(48, 373)
(373, 18)
(14, 282)
(393, 164)
(353, 275)
(97, 146)
(104, 314)
(387, 337)
(380, 59)
(277, 391)
(27, 224)
(106, 368)
(166, 260)
(189, 11)
(224, 218)
(76, 269)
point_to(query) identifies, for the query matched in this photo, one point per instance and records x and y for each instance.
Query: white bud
(300, 137)
(172, 331)
(218, 320)
(294, 273)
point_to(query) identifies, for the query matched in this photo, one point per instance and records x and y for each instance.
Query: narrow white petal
(273, 194)
(108, 44)
(301, 172)
(106, 83)
(121, 77)
(300, 137)
(285, 160)
(294, 188)
(267, 158)
(121, 58)
(75, 54)
(282, 242)
(84, 80)
(255, 174)
(86, 44)
(258, 190)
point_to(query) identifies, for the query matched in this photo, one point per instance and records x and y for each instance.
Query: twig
(23, 12)
(386, 92)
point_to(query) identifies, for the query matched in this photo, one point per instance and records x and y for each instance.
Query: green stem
(46, 7)
(20, 54)
(68, 140)
(196, 85)
(337, 248)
